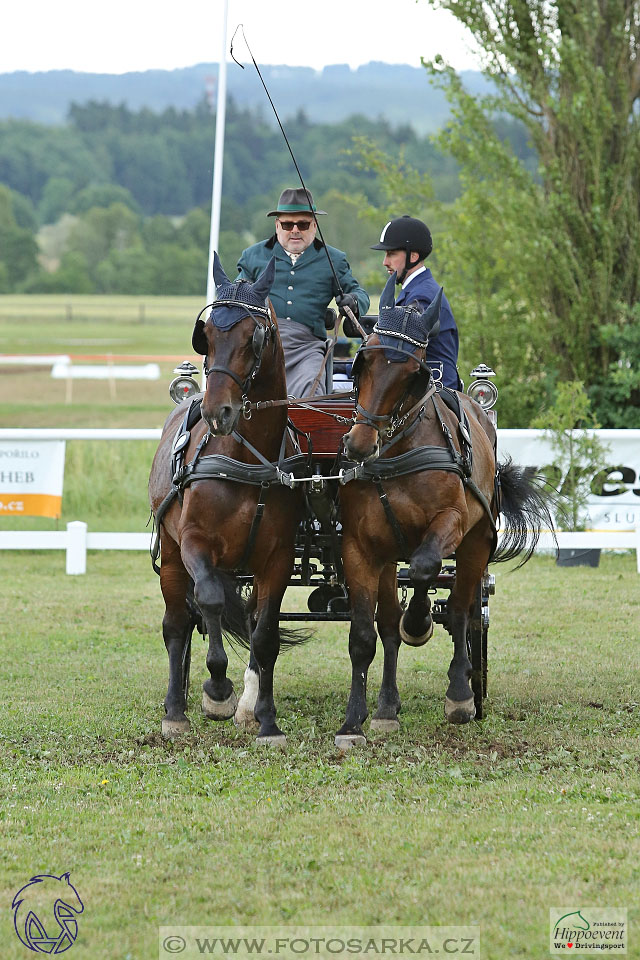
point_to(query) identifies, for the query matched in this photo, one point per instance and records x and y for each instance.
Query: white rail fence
(76, 540)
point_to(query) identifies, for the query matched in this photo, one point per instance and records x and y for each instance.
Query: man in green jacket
(304, 286)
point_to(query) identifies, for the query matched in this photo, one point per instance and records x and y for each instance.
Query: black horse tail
(236, 617)
(526, 504)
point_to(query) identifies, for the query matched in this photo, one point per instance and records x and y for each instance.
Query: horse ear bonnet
(198, 339)
(408, 320)
(247, 297)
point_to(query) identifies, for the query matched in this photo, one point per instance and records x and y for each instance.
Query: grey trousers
(303, 356)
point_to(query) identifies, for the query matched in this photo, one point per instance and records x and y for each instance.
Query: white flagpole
(216, 191)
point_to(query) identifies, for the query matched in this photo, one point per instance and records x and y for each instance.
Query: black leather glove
(348, 300)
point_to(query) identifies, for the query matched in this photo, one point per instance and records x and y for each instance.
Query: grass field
(84, 327)
(493, 824)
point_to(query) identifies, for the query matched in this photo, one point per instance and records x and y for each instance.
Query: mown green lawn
(490, 824)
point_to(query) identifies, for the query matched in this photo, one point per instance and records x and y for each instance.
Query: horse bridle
(388, 423)
(262, 334)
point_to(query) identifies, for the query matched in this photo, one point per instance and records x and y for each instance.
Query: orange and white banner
(31, 478)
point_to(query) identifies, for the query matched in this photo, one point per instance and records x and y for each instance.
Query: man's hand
(348, 300)
(351, 303)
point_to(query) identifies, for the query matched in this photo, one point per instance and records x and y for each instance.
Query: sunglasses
(290, 224)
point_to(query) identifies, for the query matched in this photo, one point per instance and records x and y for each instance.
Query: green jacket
(302, 292)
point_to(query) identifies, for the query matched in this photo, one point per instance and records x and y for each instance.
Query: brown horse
(430, 487)
(231, 517)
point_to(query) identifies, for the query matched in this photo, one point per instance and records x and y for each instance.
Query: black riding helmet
(409, 234)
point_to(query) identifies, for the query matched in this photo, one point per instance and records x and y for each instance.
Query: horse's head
(233, 340)
(389, 372)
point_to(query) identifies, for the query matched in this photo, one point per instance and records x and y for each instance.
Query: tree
(18, 246)
(577, 450)
(56, 199)
(101, 195)
(570, 74)
(100, 231)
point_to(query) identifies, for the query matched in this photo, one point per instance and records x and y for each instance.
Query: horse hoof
(415, 641)
(219, 709)
(459, 711)
(174, 728)
(346, 741)
(245, 720)
(384, 725)
(273, 740)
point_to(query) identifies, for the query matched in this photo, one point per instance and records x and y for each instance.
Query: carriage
(333, 493)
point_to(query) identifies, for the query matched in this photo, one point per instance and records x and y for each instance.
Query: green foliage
(138, 184)
(56, 199)
(101, 195)
(18, 247)
(568, 74)
(618, 395)
(578, 452)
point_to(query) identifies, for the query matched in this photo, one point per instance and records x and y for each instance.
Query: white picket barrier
(37, 360)
(76, 539)
(107, 371)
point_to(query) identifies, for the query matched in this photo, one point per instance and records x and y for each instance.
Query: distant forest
(331, 95)
(118, 200)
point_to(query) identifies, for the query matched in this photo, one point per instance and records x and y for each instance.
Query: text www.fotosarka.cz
(287, 942)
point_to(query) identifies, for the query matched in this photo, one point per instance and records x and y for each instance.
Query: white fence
(76, 539)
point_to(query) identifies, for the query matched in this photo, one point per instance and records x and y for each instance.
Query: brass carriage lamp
(185, 384)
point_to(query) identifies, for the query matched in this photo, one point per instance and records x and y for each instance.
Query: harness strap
(414, 461)
(255, 524)
(154, 547)
(391, 518)
(215, 466)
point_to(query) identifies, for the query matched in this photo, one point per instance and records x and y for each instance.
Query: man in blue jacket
(407, 243)
(303, 288)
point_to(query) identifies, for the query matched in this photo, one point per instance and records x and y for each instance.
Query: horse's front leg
(388, 618)
(218, 697)
(362, 580)
(444, 533)
(244, 716)
(471, 560)
(265, 645)
(177, 627)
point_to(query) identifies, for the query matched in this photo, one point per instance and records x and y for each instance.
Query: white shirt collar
(415, 274)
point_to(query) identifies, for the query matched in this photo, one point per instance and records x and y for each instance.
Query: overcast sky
(118, 36)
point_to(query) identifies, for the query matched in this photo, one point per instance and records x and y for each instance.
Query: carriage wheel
(186, 669)
(477, 636)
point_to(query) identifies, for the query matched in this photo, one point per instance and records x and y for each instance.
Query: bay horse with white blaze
(429, 487)
(219, 507)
